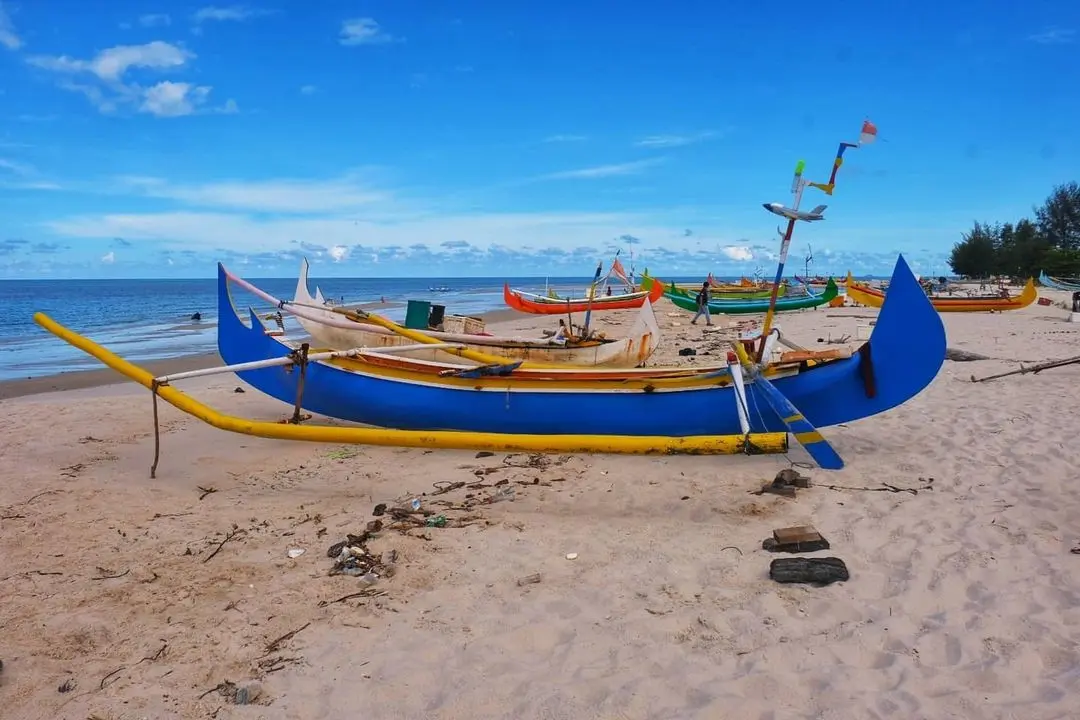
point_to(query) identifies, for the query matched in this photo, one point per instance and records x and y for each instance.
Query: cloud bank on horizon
(145, 141)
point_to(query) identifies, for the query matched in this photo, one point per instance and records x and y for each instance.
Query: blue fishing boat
(1058, 283)
(901, 358)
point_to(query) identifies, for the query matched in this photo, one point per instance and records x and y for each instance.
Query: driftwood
(815, 571)
(963, 355)
(1031, 369)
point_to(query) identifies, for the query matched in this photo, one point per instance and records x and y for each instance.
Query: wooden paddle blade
(806, 434)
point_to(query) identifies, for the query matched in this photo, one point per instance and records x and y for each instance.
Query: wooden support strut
(866, 368)
(301, 359)
(157, 435)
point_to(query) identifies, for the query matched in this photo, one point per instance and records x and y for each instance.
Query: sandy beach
(603, 587)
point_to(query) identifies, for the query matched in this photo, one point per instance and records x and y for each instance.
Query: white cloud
(308, 90)
(237, 13)
(16, 167)
(155, 20)
(109, 258)
(276, 196)
(739, 253)
(243, 233)
(670, 141)
(603, 171)
(339, 253)
(163, 99)
(112, 63)
(363, 31)
(8, 37)
(1053, 36)
(169, 99)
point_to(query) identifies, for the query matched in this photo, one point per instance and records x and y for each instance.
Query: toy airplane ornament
(794, 213)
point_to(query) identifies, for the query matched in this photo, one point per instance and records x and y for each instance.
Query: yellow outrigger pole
(760, 443)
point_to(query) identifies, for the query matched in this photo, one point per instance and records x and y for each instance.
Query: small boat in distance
(872, 297)
(688, 301)
(544, 305)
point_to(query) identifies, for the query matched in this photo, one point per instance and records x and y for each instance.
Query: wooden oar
(805, 433)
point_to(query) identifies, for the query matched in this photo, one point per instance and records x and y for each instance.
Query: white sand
(964, 600)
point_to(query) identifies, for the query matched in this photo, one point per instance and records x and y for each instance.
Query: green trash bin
(416, 316)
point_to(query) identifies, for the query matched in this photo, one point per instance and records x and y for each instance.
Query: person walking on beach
(703, 305)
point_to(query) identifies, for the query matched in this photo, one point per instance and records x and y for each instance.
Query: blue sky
(151, 139)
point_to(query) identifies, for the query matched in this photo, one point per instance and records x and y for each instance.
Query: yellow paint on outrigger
(499, 442)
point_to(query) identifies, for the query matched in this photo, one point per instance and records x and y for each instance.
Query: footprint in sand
(939, 650)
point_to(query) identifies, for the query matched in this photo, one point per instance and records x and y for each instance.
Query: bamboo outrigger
(772, 442)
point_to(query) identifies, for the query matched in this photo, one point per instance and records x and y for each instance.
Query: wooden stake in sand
(1032, 369)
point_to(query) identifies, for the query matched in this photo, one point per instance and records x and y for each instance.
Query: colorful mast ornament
(793, 214)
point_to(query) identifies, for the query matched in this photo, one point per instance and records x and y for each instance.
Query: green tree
(1059, 217)
(977, 254)
(1060, 262)
(1051, 242)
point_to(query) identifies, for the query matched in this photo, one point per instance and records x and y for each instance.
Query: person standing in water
(703, 305)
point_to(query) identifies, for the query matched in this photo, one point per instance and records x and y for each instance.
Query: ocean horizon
(150, 319)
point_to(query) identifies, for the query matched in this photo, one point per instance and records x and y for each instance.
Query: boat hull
(337, 332)
(538, 305)
(872, 297)
(749, 307)
(826, 394)
(1057, 283)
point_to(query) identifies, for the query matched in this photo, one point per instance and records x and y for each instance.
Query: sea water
(151, 319)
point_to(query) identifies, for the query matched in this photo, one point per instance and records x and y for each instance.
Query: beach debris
(538, 461)
(1074, 551)
(812, 571)
(784, 483)
(352, 557)
(484, 454)
(228, 536)
(571, 556)
(688, 351)
(799, 539)
(247, 693)
(239, 389)
(380, 509)
(957, 355)
(436, 521)
(927, 484)
(294, 553)
(67, 686)
(204, 491)
(529, 580)
(276, 644)
(506, 492)
(444, 486)
(415, 504)
(90, 439)
(105, 574)
(1050, 364)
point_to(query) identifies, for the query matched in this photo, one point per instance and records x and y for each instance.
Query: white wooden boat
(339, 332)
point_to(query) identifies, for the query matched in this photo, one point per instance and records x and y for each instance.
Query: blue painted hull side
(1057, 284)
(907, 346)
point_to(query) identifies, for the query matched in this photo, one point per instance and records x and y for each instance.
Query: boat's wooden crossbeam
(255, 365)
